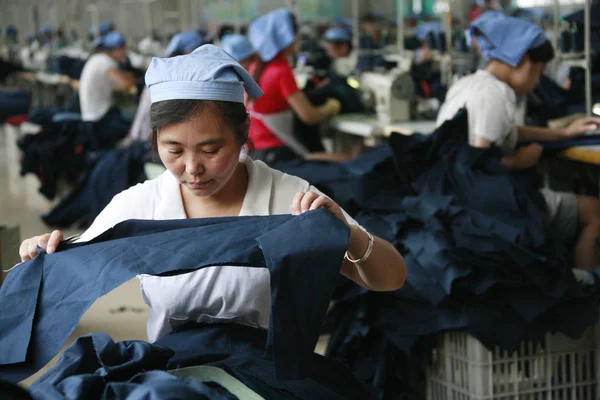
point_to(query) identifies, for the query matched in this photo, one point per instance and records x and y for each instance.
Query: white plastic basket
(461, 368)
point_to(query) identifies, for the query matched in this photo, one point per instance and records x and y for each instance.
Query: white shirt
(214, 294)
(95, 88)
(492, 106)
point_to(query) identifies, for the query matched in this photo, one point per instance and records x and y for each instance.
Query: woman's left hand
(308, 201)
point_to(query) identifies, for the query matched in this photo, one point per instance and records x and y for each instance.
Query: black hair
(260, 64)
(225, 30)
(168, 112)
(542, 54)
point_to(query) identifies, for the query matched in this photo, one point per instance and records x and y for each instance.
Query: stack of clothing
(478, 255)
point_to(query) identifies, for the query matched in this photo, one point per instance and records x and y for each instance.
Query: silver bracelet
(367, 253)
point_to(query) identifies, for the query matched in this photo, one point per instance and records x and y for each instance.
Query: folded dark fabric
(42, 300)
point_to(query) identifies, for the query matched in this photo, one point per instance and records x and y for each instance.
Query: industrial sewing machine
(391, 94)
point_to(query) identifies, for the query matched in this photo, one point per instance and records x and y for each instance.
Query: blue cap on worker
(105, 27)
(470, 31)
(238, 46)
(338, 35)
(184, 43)
(112, 40)
(507, 39)
(208, 73)
(46, 29)
(342, 21)
(272, 33)
(423, 30)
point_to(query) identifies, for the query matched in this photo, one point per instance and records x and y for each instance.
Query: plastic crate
(461, 368)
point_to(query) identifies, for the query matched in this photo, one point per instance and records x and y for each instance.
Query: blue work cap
(343, 22)
(238, 46)
(105, 27)
(338, 35)
(112, 40)
(208, 73)
(184, 43)
(272, 33)
(507, 39)
(423, 30)
(480, 20)
(46, 29)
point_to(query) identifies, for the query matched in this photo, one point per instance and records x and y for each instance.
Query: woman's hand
(308, 201)
(48, 242)
(582, 125)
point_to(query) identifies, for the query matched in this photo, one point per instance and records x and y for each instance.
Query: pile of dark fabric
(478, 256)
(115, 171)
(64, 149)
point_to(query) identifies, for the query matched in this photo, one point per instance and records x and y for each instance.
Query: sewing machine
(390, 94)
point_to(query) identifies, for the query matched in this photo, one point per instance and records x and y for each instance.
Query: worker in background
(240, 48)
(371, 42)
(180, 44)
(99, 78)
(274, 37)
(518, 51)
(338, 46)
(46, 33)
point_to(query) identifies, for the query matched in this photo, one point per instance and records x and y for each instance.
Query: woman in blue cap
(518, 51)
(199, 126)
(181, 43)
(338, 46)
(274, 37)
(240, 48)
(101, 76)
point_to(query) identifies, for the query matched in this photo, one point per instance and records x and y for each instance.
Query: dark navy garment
(116, 171)
(479, 256)
(13, 102)
(95, 367)
(60, 151)
(338, 88)
(40, 307)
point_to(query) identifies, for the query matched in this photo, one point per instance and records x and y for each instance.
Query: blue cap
(507, 39)
(105, 27)
(238, 46)
(272, 33)
(112, 40)
(469, 32)
(423, 30)
(338, 35)
(343, 22)
(184, 42)
(46, 29)
(208, 73)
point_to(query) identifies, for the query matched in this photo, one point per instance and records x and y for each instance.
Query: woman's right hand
(48, 242)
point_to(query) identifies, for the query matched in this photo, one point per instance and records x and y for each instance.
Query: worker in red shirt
(274, 37)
